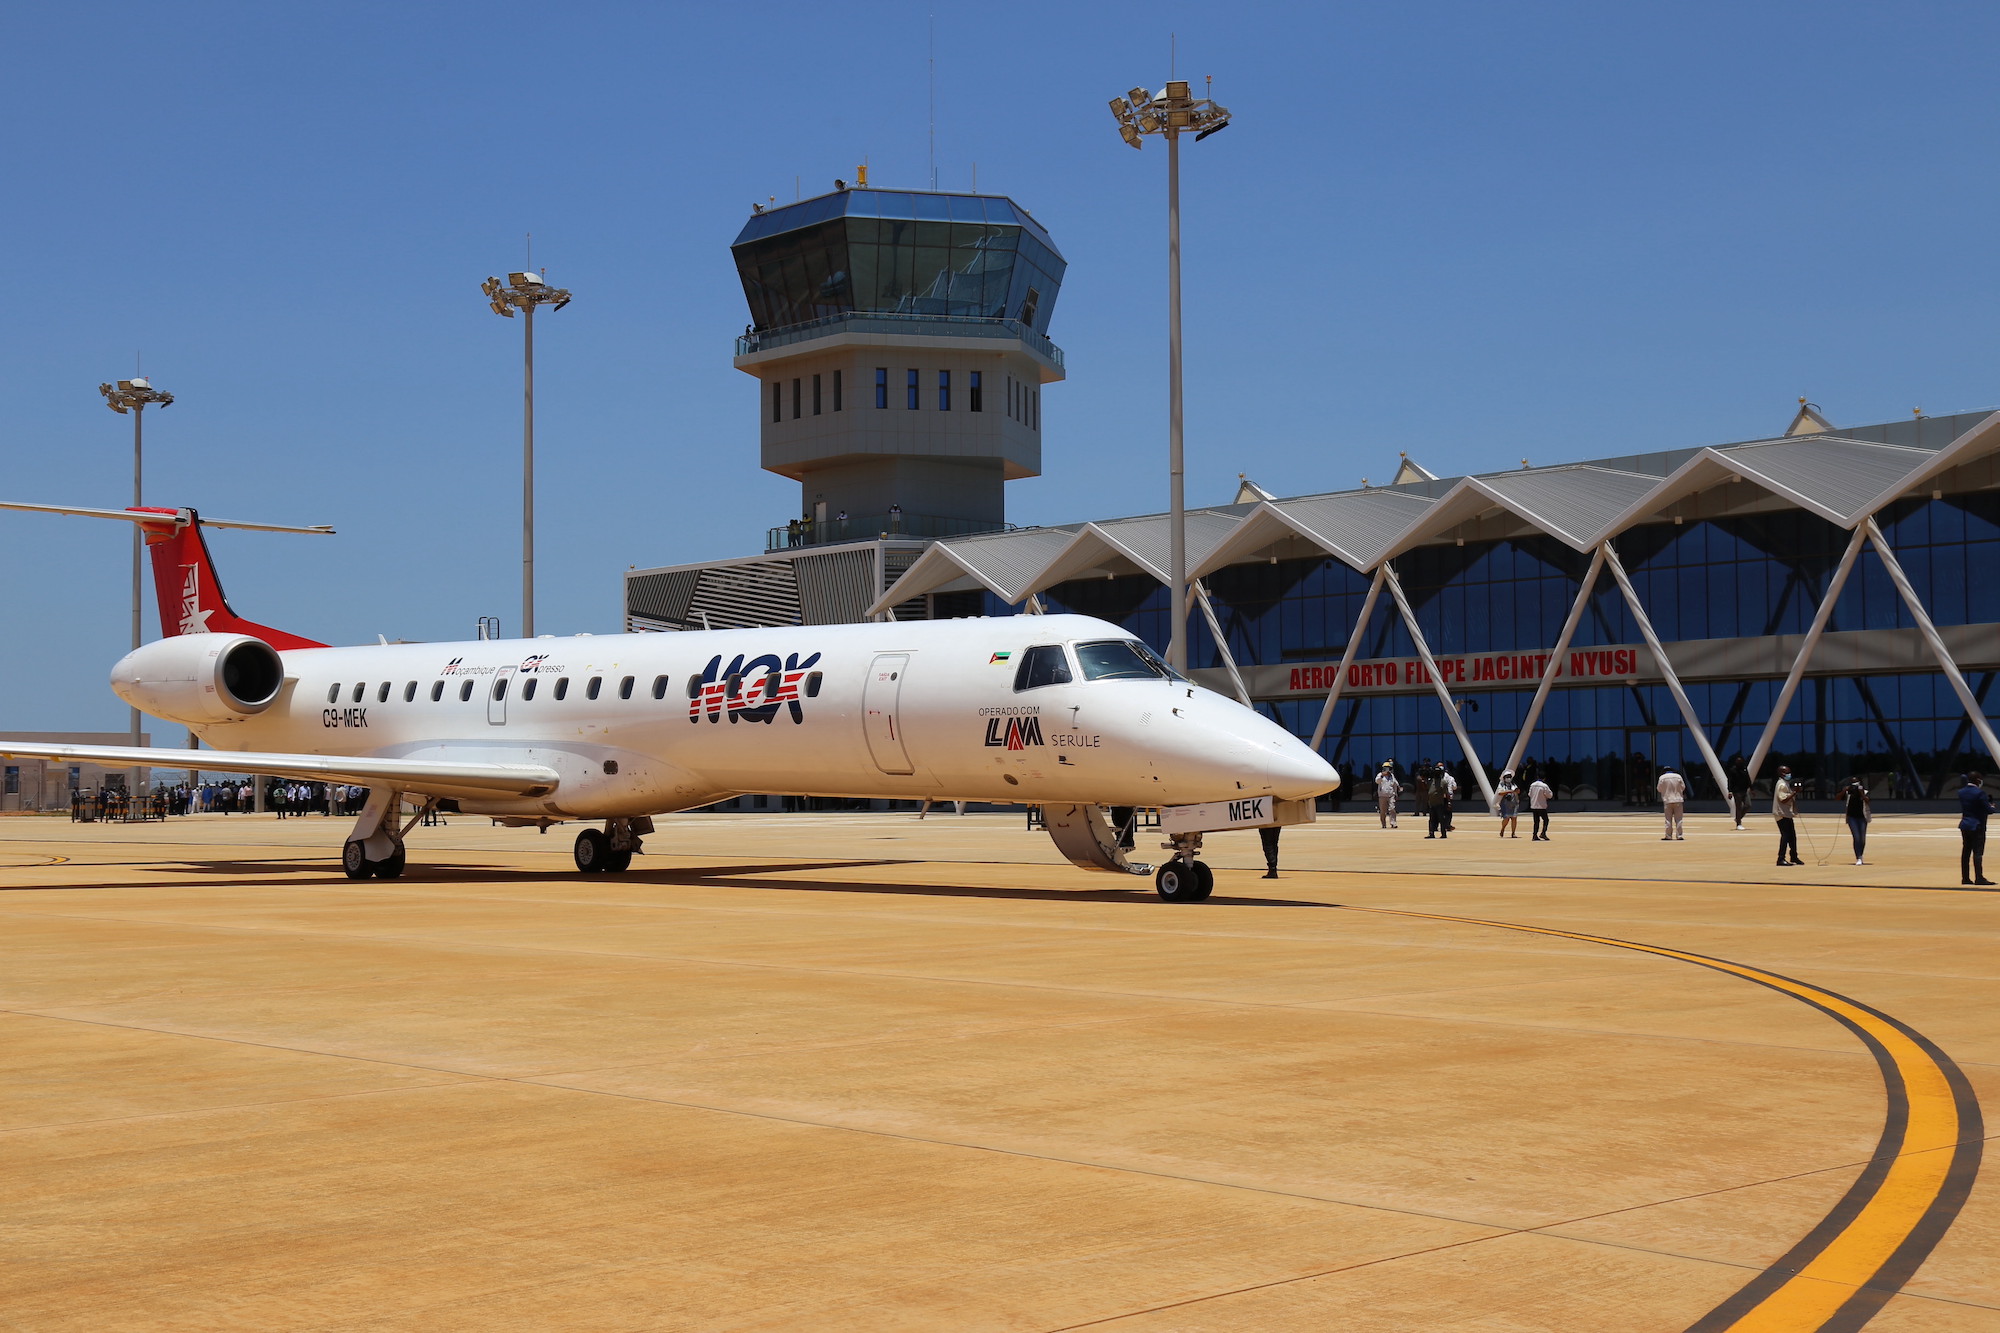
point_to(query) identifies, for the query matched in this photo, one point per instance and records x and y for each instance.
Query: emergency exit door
(496, 698)
(882, 715)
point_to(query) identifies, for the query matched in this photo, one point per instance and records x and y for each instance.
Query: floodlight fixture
(1172, 112)
(524, 291)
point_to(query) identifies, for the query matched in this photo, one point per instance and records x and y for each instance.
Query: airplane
(1067, 712)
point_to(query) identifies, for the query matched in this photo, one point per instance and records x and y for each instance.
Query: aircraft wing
(434, 776)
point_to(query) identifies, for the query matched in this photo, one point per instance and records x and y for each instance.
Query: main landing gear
(1181, 878)
(375, 846)
(610, 850)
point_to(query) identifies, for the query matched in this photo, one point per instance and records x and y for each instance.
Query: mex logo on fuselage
(752, 690)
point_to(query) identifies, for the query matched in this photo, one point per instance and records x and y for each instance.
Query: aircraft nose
(1296, 773)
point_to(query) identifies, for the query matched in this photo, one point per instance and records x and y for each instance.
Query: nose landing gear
(610, 850)
(1181, 878)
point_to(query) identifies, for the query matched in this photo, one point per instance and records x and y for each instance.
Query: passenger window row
(529, 686)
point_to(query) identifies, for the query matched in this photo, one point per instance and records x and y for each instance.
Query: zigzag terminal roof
(1843, 477)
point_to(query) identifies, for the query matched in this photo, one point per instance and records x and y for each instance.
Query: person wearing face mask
(1785, 811)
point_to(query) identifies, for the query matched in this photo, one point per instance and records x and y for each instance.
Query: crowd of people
(225, 796)
(1433, 792)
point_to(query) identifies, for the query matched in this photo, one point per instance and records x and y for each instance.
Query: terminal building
(1597, 619)
(1708, 570)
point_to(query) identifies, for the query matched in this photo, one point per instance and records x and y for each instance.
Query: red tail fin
(191, 600)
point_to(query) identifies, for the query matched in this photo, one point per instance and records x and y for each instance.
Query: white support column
(1444, 694)
(1347, 658)
(1667, 669)
(1554, 668)
(1200, 591)
(1821, 618)
(1973, 712)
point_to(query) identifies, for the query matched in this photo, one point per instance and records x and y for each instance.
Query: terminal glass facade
(1753, 575)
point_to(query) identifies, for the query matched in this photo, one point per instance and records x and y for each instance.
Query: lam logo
(1015, 733)
(194, 620)
(451, 667)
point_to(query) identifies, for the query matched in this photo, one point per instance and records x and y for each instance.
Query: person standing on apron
(1975, 805)
(1739, 789)
(1441, 787)
(1386, 791)
(1269, 837)
(1673, 789)
(1785, 811)
(1855, 797)
(1507, 804)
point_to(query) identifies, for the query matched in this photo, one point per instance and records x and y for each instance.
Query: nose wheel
(1184, 881)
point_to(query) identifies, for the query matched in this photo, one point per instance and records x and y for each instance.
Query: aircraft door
(882, 715)
(496, 696)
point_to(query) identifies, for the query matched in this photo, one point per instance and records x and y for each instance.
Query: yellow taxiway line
(1889, 1220)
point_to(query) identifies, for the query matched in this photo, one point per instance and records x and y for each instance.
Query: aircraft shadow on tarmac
(314, 872)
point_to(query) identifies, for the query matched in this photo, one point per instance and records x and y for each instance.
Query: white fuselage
(904, 710)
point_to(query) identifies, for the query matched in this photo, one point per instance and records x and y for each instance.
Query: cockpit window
(1157, 661)
(1046, 664)
(1117, 659)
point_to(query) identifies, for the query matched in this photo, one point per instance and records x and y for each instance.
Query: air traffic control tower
(901, 342)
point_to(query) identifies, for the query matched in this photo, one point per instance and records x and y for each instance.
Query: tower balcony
(871, 527)
(898, 327)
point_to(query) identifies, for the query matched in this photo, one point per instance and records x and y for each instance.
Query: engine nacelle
(196, 678)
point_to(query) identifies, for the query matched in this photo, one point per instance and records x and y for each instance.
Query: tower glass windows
(896, 253)
(912, 390)
(944, 391)
(881, 386)
(795, 398)
(777, 401)
(815, 395)
(974, 395)
(836, 391)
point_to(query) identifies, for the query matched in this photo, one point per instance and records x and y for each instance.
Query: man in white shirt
(1386, 791)
(1673, 799)
(1538, 806)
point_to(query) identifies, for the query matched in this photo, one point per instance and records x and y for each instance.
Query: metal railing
(856, 321)
(869, 527)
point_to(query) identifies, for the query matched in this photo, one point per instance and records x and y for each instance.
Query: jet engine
(196, 678)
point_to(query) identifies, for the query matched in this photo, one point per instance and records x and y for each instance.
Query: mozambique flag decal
(998, 657)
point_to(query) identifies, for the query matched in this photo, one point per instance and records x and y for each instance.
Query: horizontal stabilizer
(438, 777)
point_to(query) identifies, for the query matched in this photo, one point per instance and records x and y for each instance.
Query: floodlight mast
(131, 398)
(1170, 112)
(523, 292)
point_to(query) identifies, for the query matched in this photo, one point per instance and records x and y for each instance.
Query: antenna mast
(933, 76)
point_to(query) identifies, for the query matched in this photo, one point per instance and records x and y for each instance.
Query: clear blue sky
(1471, 231)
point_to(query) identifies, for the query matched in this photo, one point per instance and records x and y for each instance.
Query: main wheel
(1177, 882)
(593, 851)
(391, 868)
(354, 860)
(616, 862)
(1204, 881)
